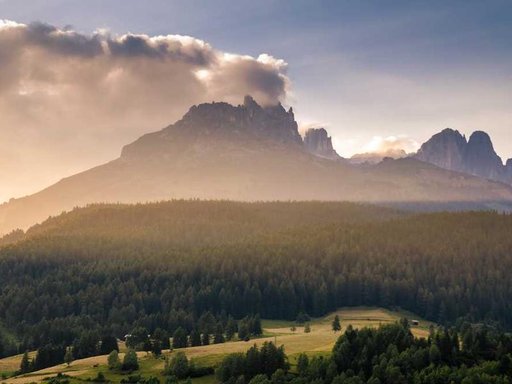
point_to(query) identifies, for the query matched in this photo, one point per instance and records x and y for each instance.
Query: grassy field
(320, 340)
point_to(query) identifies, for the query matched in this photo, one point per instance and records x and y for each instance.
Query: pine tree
(231, 328)
(179, 338)
(243, 331)
(302, 364)
(68, 357)
(219, 334)
(25, 363)
(113, 360)
(130, 361)
(205, 339)
(163, 337)
(156, 347)
(178, 365)
(195, 338)
(336, 325)
(256, 328)
(108, 344)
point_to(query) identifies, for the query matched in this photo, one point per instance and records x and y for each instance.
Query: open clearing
(320, 340)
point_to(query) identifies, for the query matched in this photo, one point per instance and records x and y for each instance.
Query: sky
(80, 79)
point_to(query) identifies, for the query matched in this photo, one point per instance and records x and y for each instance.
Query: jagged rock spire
(319, 143)
(227, 121)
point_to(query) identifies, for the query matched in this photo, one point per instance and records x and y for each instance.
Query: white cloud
(70, 100)
(382, 145)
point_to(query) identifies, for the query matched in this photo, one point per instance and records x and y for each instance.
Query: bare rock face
(508, 170)
(445, 149)
(222, 120)
(450, 150)
(481, 159)
(319, 143)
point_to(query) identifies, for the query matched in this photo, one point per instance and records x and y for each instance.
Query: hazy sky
(374, 73)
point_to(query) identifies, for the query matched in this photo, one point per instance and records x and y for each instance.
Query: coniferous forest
(388, 355)
(210, 267)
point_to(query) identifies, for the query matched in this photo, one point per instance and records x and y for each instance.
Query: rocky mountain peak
(480, 138)
(319, 143)
(481, 159)
(445, 149)
(249, 102)
(508, 171)
(450, 150)
(223, 120)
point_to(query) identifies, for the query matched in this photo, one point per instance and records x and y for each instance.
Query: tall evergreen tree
(302, 364)
(231, 328)
(218, 337)
(179, 338)
(108, 344)
(25, 363)
(256, 328)
(156, 348)
(195, 338)
(68, 357)
(163, 337)
(336, 325)
(113, 360)
(130, 361)
(178, 365)
(205, 339)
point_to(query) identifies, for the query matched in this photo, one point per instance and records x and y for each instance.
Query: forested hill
(111, 268)
(197, 223)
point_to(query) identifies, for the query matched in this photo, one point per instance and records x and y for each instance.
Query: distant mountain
(219, 122)
(319, 143)
(450, 150)
(377, 157)
(245, 152)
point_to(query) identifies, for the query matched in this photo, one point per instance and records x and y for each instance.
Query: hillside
(320, 340)
(244, 153)
(165, 265)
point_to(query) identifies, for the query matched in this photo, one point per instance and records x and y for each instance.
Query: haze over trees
(198, 266)
(250, 152)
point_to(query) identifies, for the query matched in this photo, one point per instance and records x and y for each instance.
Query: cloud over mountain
(380, 144)
(68, 100)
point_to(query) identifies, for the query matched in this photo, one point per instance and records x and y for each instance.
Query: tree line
(387, 355)
(91, 344)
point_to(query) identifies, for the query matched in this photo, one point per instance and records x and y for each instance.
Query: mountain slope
(245, 152)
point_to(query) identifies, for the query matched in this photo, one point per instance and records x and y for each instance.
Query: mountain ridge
(243, 153)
